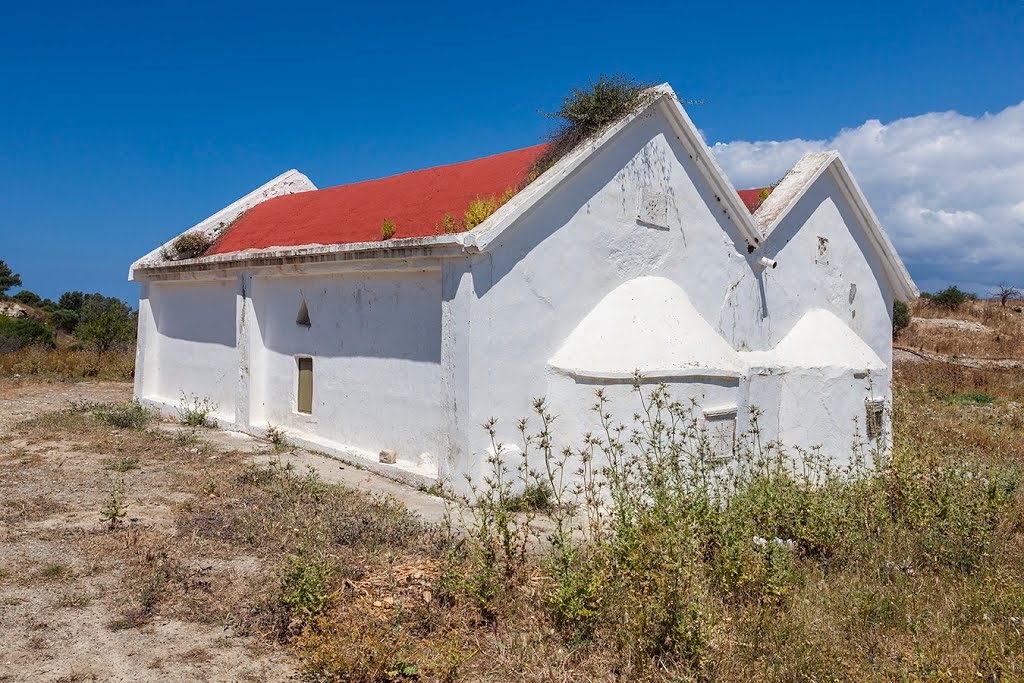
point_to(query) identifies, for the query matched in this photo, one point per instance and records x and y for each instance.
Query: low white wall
(826, 408)
(190, 343)
(375, 341)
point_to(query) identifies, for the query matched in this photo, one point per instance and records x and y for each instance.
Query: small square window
(875, 418)
(305, 402)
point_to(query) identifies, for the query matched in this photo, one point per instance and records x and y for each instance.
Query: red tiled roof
(415, 202)
(752, 198)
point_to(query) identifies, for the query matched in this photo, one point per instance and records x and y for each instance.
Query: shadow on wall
(386, 315)
(201, 312)
(576, 191)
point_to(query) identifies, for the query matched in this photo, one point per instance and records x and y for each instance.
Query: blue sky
(123, 124)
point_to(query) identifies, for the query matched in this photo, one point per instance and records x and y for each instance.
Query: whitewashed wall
(375, 340)
(512, 308)
(559, 260)
(416, 361)
(189, 332)
(824, 264)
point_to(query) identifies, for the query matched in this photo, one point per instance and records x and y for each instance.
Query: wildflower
(788, 544)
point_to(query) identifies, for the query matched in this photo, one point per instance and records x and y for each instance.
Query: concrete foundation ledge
(350, 455)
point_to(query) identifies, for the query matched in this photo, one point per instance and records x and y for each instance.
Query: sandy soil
(65, 583)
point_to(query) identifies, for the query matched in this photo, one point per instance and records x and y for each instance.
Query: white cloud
(948, 188)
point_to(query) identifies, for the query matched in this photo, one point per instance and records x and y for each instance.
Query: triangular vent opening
(303, 317)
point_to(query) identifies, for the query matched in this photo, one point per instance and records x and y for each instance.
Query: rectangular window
(306, 385)
(875, 418)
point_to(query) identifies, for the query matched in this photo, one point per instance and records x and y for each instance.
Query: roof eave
(289, 182)
(396, 249)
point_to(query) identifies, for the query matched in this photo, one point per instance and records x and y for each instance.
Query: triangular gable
(666, 104)
(289, 182)
(788, 193)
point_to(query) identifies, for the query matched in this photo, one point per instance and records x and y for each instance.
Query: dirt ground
(69, 586)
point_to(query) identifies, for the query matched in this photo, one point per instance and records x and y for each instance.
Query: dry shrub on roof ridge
(585, 112)
(387, 230)
(191, 245)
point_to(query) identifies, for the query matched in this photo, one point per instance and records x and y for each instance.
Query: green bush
(65, 320)
(387, 230)
(105, 322)
(132, 415)
(28, 298)
(71, 301)
(951, 297)
(900, 317)
(306, 589)
(642, 547)
(18, 333)
(972, 398)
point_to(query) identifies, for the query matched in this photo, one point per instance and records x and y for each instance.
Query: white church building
(632, 253)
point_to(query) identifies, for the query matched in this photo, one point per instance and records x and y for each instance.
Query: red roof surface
(752, 198)
(415, 202)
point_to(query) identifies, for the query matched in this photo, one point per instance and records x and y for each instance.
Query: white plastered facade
(632, 254)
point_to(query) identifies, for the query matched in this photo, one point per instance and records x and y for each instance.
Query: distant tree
(105, 322)
(48, 305)
(71, 301)
(900, 317)
(65, 320)
(8, 279)
(1004, 293)
(28, 298)
(951, 297)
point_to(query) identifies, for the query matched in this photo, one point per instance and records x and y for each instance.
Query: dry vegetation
(121, 538)
(66, 365)
(1002, 336)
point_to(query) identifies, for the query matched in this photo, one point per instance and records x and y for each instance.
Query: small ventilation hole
(303, 317)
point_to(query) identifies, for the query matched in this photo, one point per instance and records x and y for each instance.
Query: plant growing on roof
(191, 245)
(585, 112)
(387, 230)
(449, 225)
(479, 210)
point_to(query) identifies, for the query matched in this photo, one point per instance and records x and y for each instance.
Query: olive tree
(105, 322)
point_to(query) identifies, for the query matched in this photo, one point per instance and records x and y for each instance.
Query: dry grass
(358, 589)
(1003, 339)
(66, 365)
